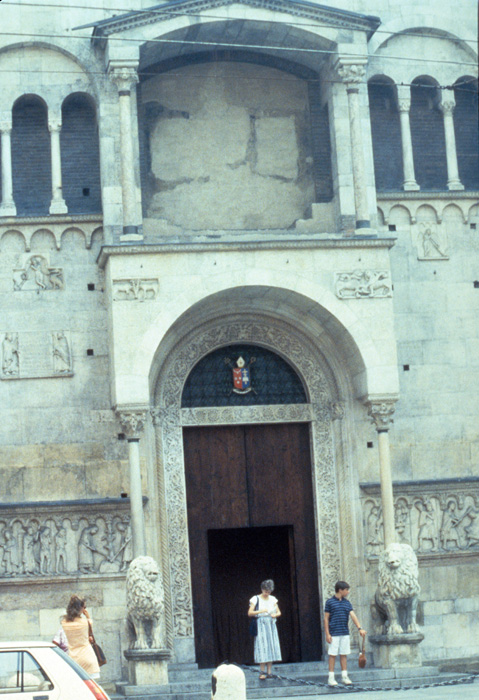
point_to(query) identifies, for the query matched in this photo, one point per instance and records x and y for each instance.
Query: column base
(397, 650)
(148, 667)
(455, 185)
(8, 209)
(411, 186)
(58, 206)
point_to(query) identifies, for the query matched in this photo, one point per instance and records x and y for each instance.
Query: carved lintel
(381, 412)
(132, 420)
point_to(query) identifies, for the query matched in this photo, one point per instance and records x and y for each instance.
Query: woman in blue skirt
(266, 643)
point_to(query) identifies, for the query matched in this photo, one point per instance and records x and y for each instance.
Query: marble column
(57, 205)
(404, 106)
(381, 412)
(447, 108)
(125, 78)
(7, 207)
(352, 74)
(133, 422)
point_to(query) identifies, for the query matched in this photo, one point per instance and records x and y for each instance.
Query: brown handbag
(362, 656)
(100, 656)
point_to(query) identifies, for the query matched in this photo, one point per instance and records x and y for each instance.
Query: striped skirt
(266, 643)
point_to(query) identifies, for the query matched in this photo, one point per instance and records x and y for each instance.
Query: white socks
(331, 679)
(345, 678)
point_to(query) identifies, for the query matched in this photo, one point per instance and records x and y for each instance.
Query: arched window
(386, 134)
(31, 159)
(427, 133)
(467, 132)
(264, 378)
(80, 155)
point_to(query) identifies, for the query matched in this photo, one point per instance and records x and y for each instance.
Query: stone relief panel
(35, 274)
(444, 518)
(430, 240)
(64, 540)
(363, 284)
(135, 289)
(33, 354)
(169, 418)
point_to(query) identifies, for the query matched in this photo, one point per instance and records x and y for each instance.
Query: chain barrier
(368, 689)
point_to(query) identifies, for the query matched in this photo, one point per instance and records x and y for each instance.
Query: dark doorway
(246, 478)
(239, 560)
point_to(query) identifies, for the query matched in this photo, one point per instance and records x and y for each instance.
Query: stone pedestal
(148, 666)
(396, 650)
(228, 683)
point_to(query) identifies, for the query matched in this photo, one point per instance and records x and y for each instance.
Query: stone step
(276, 688)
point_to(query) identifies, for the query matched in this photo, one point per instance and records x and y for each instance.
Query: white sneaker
(345, 680)
(332, 680)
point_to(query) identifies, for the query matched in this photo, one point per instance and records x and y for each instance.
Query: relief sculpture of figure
(374, 536)
(61, 551)
(9, 552)
(30, 564)
(472, 530)
(86, 549)
(46, 544)
(427, 528)
(125, 551)
(61, 353)
(449, 531)
(431, 246)
(10, 361)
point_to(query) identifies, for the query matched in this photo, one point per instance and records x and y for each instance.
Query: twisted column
(352, 74)
(447, 108)
(132, 422)
(58, 205)
(404, 106)
(125, 78)
(7, 207)
(382, 414)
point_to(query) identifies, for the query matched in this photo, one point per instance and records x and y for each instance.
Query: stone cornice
(239, 245)
(382, 196)
(341, 19)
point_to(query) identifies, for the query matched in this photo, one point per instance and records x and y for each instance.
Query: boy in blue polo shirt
(336, 617)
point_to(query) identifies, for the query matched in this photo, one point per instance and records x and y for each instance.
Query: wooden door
(252, 477)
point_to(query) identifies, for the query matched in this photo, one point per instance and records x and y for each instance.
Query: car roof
(24, 645)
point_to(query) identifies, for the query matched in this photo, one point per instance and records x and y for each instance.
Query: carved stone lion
(145, 604)
(398, 589)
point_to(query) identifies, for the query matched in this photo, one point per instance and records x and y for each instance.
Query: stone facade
(213, 173)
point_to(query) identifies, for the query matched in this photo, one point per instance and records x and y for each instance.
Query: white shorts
(339, 645)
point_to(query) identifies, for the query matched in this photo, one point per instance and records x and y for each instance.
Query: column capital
(351, 70)
(381, 411)
(132, 420)
(54, 125)
(5, 126)
(447, 104)
(125, 76)
(404, 104)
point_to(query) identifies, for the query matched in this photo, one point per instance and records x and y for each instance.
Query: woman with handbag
(264, 608)
(77, 626)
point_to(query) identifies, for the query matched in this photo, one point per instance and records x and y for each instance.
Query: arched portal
(315, 426)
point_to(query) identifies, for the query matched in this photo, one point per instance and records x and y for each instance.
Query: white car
(42, 671)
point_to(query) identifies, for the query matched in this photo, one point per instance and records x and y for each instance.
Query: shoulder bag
(253, 623)
(100, 656)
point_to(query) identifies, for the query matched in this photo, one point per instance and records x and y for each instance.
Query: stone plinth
(396, 650)
(148, 666)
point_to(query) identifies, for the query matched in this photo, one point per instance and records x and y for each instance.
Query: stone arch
(386, 133)
(426, 212)
(427, 134)
(330, 399)
(13, 241)
(399, 215)
(43, 239)
(80, 154)
(465, 125)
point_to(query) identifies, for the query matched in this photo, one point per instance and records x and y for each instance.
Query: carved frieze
(73, 539)
(135, 289)
(36, 275)
(36, 354)
(433, 518)
(363, 284)
(235, 415)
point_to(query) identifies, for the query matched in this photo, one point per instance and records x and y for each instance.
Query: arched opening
(386, 134)
(80, 155)
(249, 490)
(427, 133)
(31, 156)
(467, 132)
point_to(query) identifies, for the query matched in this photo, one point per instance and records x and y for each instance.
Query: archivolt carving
(169, 417)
